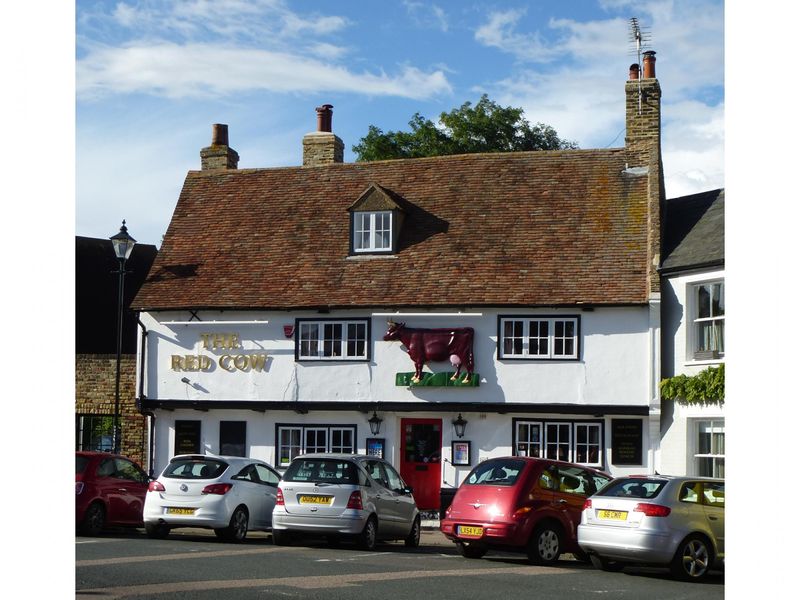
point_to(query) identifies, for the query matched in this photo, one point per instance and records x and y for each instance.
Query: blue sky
(151, 77)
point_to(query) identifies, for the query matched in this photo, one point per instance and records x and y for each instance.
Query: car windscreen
(322, 470)
(81, 462)
(633, 487)
(195, 468)
(496, 472)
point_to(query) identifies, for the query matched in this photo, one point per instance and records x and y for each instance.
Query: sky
(152, 76)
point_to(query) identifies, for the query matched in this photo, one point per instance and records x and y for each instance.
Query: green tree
(484, 127)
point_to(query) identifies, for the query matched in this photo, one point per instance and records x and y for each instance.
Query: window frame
(357, 217)
(84, 423)
(345, 341)
(551, 320)
(717, 459)
(281, 463)
(573, 435)
(694, 320)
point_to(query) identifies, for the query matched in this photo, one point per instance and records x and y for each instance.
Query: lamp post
(123, 246)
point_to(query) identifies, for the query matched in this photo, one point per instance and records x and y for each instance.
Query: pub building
(435, 311)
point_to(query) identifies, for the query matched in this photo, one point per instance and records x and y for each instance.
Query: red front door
(421, 459)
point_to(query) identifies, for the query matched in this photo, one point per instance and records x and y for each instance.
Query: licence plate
(613, 515)
(470, 531)
(171, 510)
(316, 499)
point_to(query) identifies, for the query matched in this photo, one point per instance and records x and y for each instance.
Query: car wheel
(471, 550)
(237, 530)
(545, 545)
(369, 535)
(281, 537)
(156, 531)
(412, 541)
(94, 520)
(598, 562)
(693, 559)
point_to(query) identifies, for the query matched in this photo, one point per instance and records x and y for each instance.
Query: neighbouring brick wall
(95, 380)
(643, 145)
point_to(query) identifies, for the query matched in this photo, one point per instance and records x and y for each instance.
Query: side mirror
(408, 490)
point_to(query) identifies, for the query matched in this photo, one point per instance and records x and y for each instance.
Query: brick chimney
(219, 155)
(643, 151)
(323, 147)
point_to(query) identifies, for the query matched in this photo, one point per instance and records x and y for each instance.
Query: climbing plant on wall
(707, 387)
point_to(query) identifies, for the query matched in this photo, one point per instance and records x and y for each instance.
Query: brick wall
(322, 148)
(95, 379)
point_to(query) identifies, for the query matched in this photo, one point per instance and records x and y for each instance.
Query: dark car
(519, 504)
(109, 490)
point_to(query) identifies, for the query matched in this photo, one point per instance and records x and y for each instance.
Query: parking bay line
(182, 556)
(309, 583)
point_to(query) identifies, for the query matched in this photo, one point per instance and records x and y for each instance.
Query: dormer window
(372, 231)
(375, 222)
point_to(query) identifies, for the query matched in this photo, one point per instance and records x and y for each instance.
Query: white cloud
(499, 32)
(209, 70)
(429, 15)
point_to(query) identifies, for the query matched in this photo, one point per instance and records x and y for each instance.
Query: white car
(229, 494)
(345, 496)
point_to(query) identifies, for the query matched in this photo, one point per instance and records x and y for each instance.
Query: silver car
(344, 496)
(229, 494)
(664, 520)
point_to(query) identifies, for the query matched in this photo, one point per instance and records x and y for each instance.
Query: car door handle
(712, 518)
(561, 501)
(377, 496)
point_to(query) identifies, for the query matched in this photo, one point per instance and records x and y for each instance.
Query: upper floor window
(332, 340)
(538, 337)
(709, 320)
(372, 231)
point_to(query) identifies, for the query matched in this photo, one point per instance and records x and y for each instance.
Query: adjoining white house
(263, 319)
(693, 330)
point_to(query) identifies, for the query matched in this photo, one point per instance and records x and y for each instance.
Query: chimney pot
(633, 75)
(649, 64)
(219, 134)
(325, 117)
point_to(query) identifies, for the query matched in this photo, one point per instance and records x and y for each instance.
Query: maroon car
(109, 490)
(518, 504)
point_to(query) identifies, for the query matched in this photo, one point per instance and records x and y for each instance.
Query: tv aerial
(639, 37)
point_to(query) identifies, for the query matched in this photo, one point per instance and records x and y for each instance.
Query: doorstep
(429, 519)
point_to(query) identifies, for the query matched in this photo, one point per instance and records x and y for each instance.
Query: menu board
(187, 437)
(626, 441)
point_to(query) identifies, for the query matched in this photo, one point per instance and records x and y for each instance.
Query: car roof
(338, 456)
(679, 478)
(227, 459)
(547, 461)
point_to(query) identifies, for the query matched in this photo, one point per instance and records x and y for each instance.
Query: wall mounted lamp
(460, 424)
(375, 423)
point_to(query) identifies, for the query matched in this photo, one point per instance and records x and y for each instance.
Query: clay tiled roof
(527, 228)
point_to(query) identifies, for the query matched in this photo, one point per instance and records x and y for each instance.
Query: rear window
(195, 468)
(633, 488)
(504, 472)
(322, 470)
(81, 462)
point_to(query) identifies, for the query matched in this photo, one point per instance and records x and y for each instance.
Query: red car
(109, 490)
(519, 504)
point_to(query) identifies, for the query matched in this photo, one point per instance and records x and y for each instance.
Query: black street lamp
(123, 246)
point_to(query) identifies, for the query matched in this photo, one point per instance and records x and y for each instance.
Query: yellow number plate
(470, 531)
(316, 499)
(180, 511)
(614, 515)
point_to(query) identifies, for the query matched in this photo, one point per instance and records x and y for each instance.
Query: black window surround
(361, 320)
(578, 338)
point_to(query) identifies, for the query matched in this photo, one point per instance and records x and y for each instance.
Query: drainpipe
(141, 396)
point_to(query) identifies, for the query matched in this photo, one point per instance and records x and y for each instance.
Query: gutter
(140, 397)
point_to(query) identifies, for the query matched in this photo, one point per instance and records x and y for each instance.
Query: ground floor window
(709, 458)
(233, 438)
(94, 432)
(571, 441)
(294, 440)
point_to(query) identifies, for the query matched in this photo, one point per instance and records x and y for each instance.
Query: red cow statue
(426, 345)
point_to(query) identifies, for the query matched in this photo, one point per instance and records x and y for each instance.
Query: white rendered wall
(613, 369)
(677, 428)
